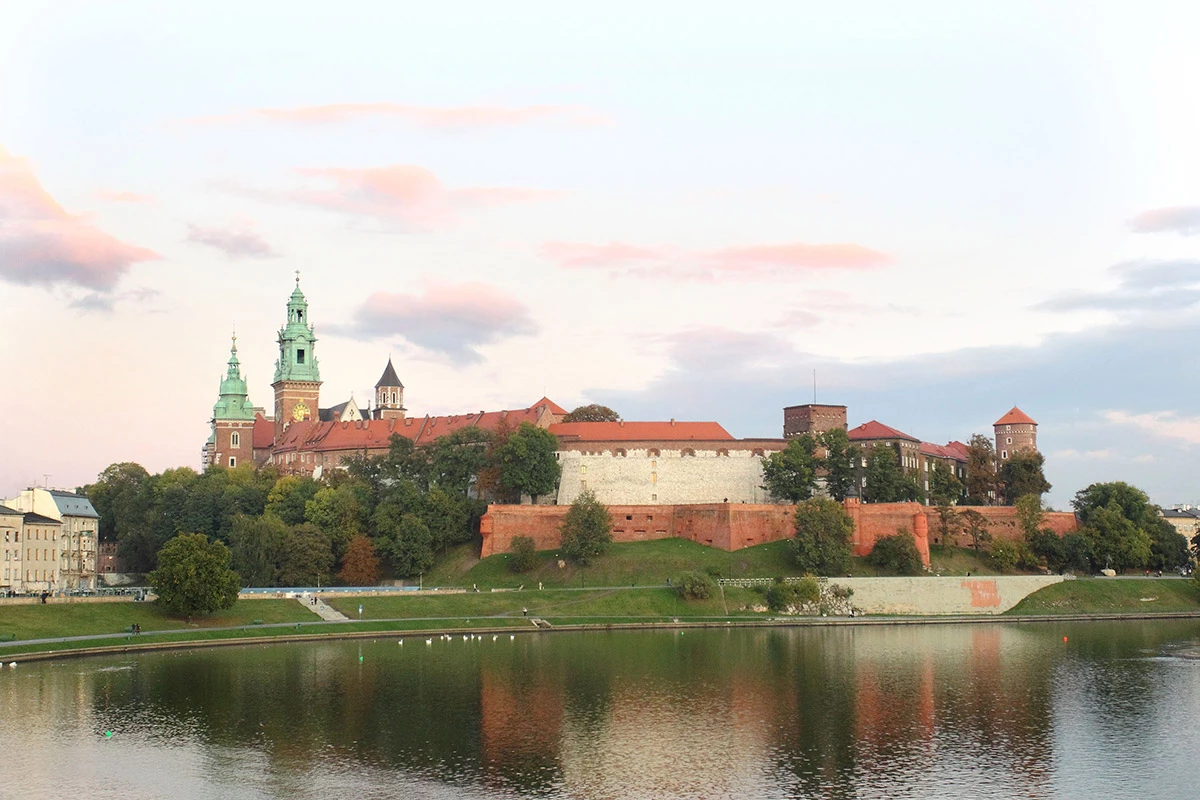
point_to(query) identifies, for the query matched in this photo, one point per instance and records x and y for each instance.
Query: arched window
(235, 439)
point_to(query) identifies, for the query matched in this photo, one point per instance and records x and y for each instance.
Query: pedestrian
(525, 612)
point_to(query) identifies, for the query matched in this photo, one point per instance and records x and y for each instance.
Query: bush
(1004, 556)
(897, 553)
(713, 571)
(695, 586)
(821, 545)
(782, 595)
(524, 555)
(586, 529)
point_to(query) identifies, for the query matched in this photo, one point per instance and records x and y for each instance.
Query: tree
(897, 553)
(975, 525)
(307, 557)
(257, 546)
(1134, 503)
(288, 497)
(1031, 515)
(193, 576)
(1022, 475)
(841, 463)
(791, 473)
(121, 496)
(406, 542)
(944, 488)
(949, 521)
(339, 512)
(981, 471)
(526, 462)
(695, 586)
(586, 529)
(456, 459)
(1062, 553)
(886, 481)
(360, 567)
(523, 554)
(592, 413)
(1116, 542)
(821, 545)
(1168, 549)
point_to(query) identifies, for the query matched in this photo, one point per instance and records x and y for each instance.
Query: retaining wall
(984, 595)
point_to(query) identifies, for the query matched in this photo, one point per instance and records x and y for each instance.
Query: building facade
(12, 525)
(61, 538)
(1015, 431)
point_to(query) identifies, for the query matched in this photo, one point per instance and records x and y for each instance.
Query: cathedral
(304, 439)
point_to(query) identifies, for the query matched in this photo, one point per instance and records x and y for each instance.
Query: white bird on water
(429, 641)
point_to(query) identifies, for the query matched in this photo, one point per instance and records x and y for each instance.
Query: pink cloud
(42, 244)
(122, 197)
(751, 261)
(234, 242)
(1172, 219)
(452, 320)
(404, 193)
(451, 118)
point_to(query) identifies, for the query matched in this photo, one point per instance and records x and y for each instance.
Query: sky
(680, 210)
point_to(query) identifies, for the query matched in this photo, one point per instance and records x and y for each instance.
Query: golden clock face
(300, 411)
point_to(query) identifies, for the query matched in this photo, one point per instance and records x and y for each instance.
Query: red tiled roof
(640, 431)
(264, 433)
(877, 430)
(957, 450)
(954, 450)
(551, 406)
(931, 449)
(1015, 417)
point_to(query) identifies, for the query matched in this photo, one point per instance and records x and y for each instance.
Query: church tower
(232, 441)
(297, 379)
(389, 395)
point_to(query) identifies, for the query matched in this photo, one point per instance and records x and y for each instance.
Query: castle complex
(623, 463)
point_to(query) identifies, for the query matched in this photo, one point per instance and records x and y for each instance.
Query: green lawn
(80, 619)
(1112, 596)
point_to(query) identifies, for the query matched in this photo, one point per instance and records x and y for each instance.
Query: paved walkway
(322, 609)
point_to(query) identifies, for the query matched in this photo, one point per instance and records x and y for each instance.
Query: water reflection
(980, 710)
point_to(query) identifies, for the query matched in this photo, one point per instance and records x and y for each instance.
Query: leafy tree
(193, 576)
(448, 518)
(339, 512)
(456, 459)
(592, 413)
(1168, 549)
(1004, 556)
(791, 473)
(523, 555)
(1133, 502)
(897, 553)
(944, 487)
(975, 525)
(840, 462)
(307, 557)
(949, 521)
(886, 479)
(288, 497)
(360, 567)
(821, 545)
(1031, 515)
(405, 462)
(1116, 542)
(257, 544)
(121, 496)
(1022, 475)
(1061, 553)
(981, 471)
(695, 586)
(405, 539)
(526, 462)
(586, 529)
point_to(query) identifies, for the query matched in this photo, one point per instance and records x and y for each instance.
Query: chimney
(672, 422)
(621, 423)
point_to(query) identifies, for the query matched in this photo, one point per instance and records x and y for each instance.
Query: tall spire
(234, 400)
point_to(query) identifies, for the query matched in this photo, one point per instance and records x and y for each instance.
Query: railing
(747, 582)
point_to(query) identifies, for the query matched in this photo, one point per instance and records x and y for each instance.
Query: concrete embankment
(943, 596)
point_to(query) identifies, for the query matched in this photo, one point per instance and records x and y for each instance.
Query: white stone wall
(975, 595)
(645, 477)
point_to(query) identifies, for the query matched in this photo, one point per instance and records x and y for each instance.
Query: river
(1070, 710)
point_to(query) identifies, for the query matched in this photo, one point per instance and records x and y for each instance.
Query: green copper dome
(234, 402)
(297, 343)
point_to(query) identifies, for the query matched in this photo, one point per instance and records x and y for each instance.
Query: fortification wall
(1002, 523)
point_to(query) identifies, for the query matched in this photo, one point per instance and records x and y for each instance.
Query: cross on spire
(297, 277)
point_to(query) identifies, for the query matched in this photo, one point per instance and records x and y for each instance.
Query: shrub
(586, 529)
(524, 555)
(1004, 556)
(781, 595)
(713, 571)
(695, 586)
(897, 553)
(821, 544)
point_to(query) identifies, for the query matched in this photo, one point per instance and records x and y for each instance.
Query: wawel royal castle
(622, 462)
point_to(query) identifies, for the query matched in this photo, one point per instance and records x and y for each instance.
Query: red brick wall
(873, 521)
(1002, 522)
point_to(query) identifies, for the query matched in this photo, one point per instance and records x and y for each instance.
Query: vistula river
(954, 711)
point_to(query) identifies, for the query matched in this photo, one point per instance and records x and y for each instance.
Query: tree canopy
(193, 576)
(821, 545)
(886, 480)
(526, 462)
(592, 412)
(586, 529)
(1022, 475)
(840, 461)
(791, 473)
(981, 471)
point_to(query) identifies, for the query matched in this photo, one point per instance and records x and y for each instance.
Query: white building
(73, 547)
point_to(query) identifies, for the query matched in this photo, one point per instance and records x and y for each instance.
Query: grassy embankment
(1112, 596)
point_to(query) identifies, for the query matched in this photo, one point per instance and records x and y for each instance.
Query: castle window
(619, 453)
(235, 439)
(299, 356)
(1004, 454)
(688, 452)
(232, 461)
(722, 452)
(1008, 440)
(758, 451)
(654, 498)
(654, 452)
(583, 469)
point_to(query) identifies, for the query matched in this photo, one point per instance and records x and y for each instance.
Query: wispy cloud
(105, 302)
(730, 263)
(1165, 424)
(1142, 286)
(235, 243)
(42, 244)
(447, 118)
(1184, 220)
(114, 196)
(403, 194)
(453, 320)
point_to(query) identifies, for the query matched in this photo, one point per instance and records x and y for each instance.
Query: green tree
(897, 553)
(1071, 551)
(949, 522)
(307, 557)
(121, 496)
(944, 487)
(360, 566)
(886, 481)
(448, 518)
(523, 555)
(257, 546)
(288, 497)
(1134, 503)
(405, 540)
(1022, 475)
(193, 576)
(840, 462)
(586, 529)
(456, 459)
(1168, 549)
(339, 512)
(821, 545)
(527, 464)
(592, 413)
(1116, 542)
(1004, 556)
(791, 473)
(981, 471)
(695, 586)
(1031, 515)
(975, 525)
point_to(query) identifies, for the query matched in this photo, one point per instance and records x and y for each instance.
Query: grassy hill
(1112, 596)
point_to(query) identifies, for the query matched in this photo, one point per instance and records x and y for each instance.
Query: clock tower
(297, 378)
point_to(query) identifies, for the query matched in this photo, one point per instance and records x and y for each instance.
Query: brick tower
(1015, 431)
(297, 377)
(389, 395)
(232, 440)
(812, 418)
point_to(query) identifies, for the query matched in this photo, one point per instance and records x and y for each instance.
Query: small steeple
(234, 401)
(389, 394)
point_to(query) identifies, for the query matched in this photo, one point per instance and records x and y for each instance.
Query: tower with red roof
(1015, 431)
(389, 395)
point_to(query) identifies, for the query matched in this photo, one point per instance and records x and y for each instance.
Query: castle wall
(670, 474)
(1002, 523)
